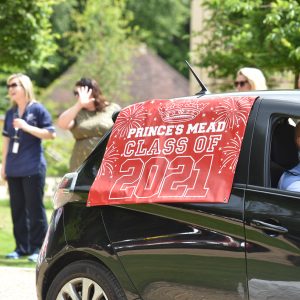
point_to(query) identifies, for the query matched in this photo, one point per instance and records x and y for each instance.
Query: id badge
(15, 148)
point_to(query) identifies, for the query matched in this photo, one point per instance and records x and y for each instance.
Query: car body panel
(85, 237)
(184, 247)
(278, 257)
(53, 245)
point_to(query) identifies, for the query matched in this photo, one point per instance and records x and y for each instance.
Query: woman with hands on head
(26, 123)
(88, 119)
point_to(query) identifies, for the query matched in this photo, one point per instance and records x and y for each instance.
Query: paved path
(17, 283)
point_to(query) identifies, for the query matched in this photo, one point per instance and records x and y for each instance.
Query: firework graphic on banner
(131, 117)
(110, 157)
(232, 111)
(231, 153)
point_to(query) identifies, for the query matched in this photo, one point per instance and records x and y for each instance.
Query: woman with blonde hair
(26, 123)
(249, 79)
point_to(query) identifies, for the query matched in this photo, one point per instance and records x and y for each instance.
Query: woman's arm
(4, 154)
(66, 119)
(40, 133)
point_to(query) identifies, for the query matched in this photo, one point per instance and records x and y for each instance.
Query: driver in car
(290, 179)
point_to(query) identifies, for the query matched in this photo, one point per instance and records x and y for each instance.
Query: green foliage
(164, 26)
(4, 101)
(102, 43)
(93, 32)
(58, 153)
(26, 39)
(283, 39)
(61, 30)
(62, 24)
(258, 33)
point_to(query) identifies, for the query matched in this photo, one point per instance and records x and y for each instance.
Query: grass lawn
(7, 242)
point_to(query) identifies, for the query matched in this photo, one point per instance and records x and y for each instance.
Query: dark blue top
(30, 158)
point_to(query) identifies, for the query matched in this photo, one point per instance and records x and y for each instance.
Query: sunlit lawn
(7, 243)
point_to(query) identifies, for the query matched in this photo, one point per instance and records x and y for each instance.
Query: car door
(272, 216)
(187, 251)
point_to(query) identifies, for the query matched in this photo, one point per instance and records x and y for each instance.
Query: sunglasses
(13, 85)
(240, 83)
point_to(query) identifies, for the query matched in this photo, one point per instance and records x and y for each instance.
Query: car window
(91, 166)
(284, 152)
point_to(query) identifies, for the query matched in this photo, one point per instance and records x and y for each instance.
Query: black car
(246, 247)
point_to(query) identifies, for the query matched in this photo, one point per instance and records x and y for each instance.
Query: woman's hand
(20, 124)
(3, 175)
(84, 96)
(84, 100)
(40, 133)
(5, 143)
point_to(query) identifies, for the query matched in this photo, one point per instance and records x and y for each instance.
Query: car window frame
(273, 116)
(88, 173)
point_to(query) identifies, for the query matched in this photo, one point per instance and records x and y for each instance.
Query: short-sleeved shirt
(29, 160)
(88, 129)
(290, 180)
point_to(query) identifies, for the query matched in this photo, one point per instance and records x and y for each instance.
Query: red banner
(179, 150)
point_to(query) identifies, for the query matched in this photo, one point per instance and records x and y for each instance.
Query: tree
(258, 33)
(163, 26)
(151, 21)
(26, 39)
(61, 23)
(102, 43)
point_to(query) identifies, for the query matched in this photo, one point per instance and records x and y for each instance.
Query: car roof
(284, 95)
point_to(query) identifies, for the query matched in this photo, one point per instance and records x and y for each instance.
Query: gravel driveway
(17, 283)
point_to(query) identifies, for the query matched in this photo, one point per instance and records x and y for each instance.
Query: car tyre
(85, 280)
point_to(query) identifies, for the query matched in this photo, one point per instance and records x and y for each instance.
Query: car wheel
(85, 280)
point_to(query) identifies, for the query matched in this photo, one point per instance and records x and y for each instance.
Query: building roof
(151, 77)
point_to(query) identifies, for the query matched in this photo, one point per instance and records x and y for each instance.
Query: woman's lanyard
(16, 138)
